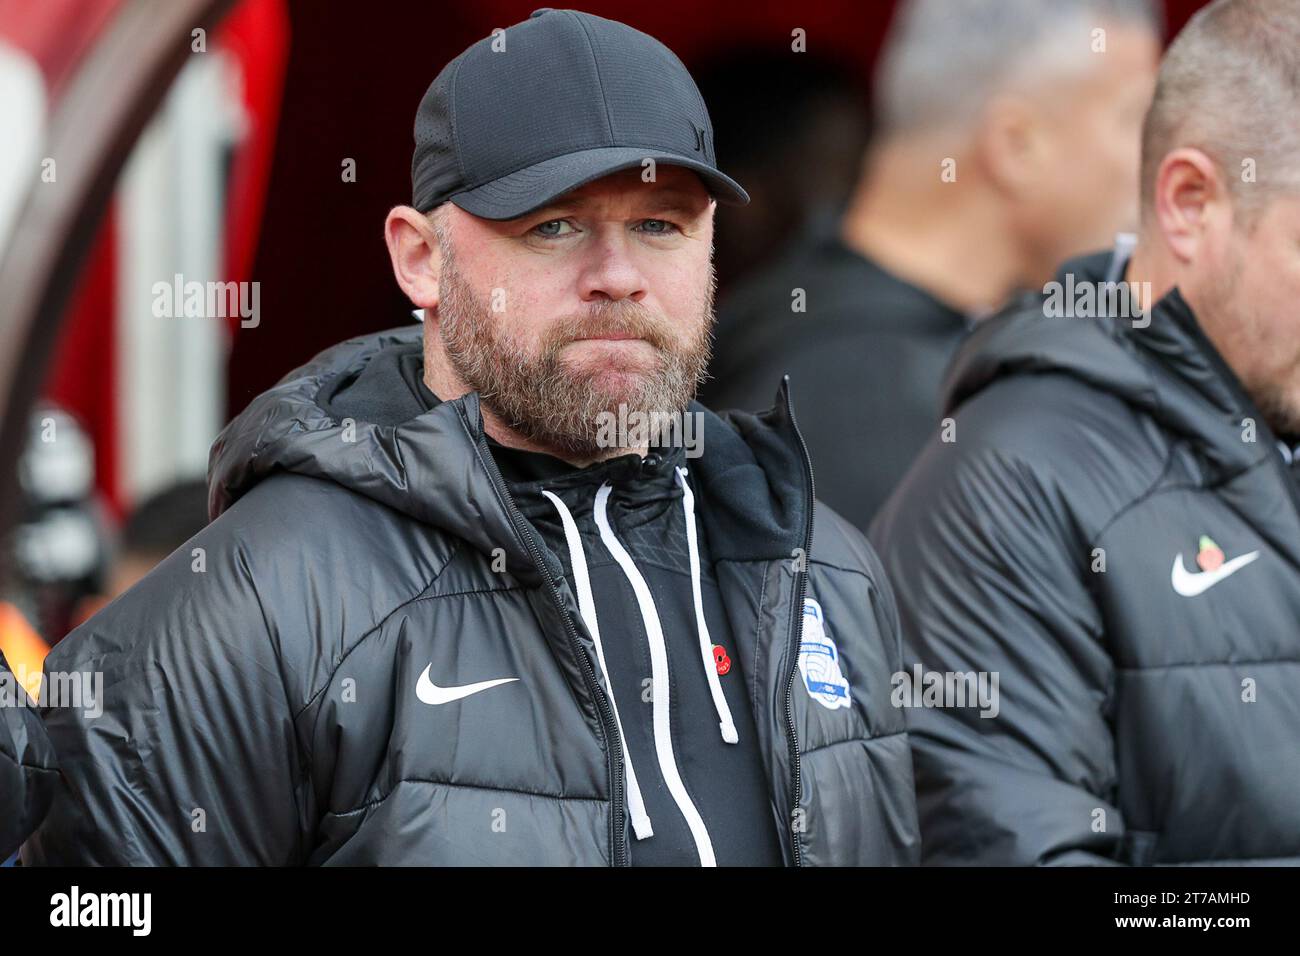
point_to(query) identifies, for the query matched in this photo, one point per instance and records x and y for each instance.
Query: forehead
(624, 194)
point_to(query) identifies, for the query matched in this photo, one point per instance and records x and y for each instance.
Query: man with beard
(1114, 529)
(444, 614)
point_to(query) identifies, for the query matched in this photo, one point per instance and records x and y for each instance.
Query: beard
(1275, 391)
(1280, 407)
(558, 403)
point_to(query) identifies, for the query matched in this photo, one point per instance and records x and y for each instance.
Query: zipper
(613, 742)
(796, 622)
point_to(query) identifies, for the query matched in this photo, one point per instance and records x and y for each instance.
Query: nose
(610, 271)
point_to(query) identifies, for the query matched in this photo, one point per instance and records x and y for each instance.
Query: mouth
(615, 354)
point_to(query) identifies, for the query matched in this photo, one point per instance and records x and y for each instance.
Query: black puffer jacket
(264, 709)
(1106, 534)
(27, 765)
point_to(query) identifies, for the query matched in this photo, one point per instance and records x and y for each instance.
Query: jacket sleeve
(27, 767)
(174, 730)
(990, 577)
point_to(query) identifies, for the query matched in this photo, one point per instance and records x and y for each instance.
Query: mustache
(609, 318)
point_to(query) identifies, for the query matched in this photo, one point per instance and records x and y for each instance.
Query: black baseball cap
(550, 104)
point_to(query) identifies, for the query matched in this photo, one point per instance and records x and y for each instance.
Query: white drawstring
(658, 658)
(725, 723)
(587, 606)
(659, 683)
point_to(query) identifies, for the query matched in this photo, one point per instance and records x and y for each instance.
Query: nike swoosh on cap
(431, 693)
(1190, 585)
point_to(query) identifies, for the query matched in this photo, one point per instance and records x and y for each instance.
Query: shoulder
(312, 522)
(1032, 465)
(1054, 418)
(1050, 434)
(838, 543)
(278, 587)
(842, 559)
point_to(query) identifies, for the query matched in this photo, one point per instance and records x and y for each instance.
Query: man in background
(1007, 139)
(1115, 529)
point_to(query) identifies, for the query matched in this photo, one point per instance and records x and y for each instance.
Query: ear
(1010, 145)
(1190, 202)
(413, 249)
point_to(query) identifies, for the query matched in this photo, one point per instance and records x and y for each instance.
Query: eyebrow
(668, 200)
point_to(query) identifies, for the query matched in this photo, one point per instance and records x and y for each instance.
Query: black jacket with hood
(1113, 531)
(263, 687)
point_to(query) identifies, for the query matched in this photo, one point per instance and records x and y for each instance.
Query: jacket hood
(1163, 366)
(436, 466)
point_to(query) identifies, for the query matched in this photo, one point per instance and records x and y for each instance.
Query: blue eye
(657, 227)
(552, 228)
